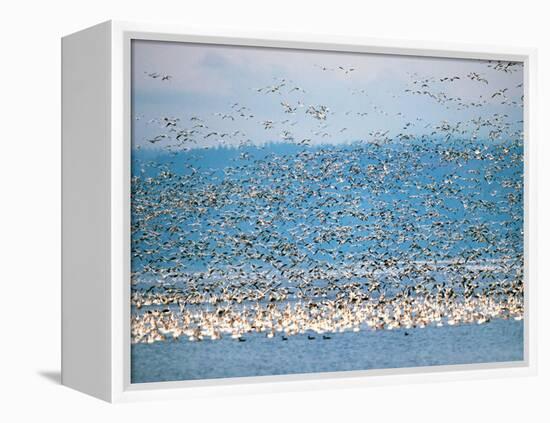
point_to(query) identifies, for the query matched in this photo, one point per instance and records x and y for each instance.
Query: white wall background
(30, 206)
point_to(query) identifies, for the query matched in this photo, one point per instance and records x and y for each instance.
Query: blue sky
(207, 80)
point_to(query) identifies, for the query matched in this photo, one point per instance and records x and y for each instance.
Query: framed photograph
(245, 213)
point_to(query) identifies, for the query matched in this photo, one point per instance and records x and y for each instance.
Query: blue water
(416, 174)
(496, 341)
(204, 210)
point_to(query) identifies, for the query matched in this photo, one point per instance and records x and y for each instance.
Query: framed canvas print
(262, 213)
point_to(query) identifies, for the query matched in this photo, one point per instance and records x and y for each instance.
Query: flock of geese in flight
(392, 231)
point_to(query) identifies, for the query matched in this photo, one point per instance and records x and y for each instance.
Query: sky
(214, 82)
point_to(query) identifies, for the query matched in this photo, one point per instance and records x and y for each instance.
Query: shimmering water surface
(498, 341)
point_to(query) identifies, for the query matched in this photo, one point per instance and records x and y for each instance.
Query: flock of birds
(391, 231)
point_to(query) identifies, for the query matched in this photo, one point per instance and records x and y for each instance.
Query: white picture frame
(96, 207)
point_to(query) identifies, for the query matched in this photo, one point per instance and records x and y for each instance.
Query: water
(214, 230)
(496, 341)
(402, 195)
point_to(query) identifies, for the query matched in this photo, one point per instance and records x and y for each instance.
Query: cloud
(206, 79)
